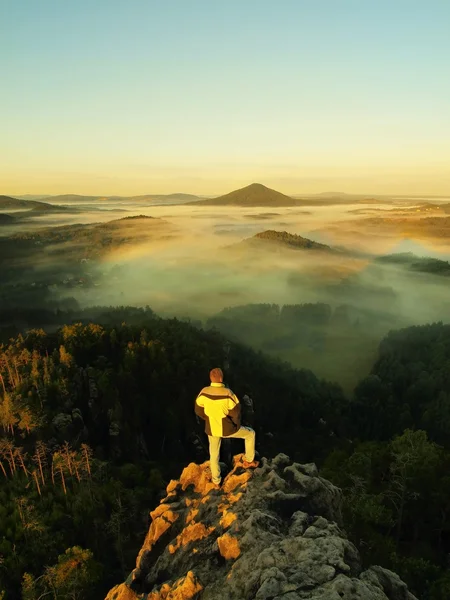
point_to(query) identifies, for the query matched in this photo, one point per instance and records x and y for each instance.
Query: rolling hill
(289, 239)
(255, 194)
(177, 198)
(32, 196)
(416, 228)
(72, 199)
(422, 264)
(32, 208)
(7, 202)
(94, 239)
(282, 239)
(6, 219)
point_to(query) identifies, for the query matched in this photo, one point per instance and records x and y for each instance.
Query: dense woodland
(97, 416)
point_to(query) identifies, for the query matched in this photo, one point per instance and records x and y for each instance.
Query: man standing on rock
(221, 411)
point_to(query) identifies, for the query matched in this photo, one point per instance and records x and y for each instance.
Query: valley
(109, 306)
(206, 264)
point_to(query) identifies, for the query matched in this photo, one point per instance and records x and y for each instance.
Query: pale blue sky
(205, 95)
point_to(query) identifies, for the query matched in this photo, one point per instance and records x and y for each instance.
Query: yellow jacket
(220, 409)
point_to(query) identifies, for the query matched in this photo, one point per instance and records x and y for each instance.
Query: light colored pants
(244, 433)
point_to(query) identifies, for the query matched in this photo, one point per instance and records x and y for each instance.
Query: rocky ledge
(269, 534)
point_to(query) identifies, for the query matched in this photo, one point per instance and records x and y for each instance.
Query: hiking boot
(250, 465)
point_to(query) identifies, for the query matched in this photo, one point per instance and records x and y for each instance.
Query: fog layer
(196, 262)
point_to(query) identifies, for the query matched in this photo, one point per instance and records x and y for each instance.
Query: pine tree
(40, 458)
(65, 358)
(7, 452)
(86, 452)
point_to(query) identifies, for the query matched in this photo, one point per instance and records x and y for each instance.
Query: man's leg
(214, 453)
(247, 434)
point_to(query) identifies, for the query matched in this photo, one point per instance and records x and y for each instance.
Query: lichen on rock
(184, 588)
(272, 533)
(228, 546)
(191, 533)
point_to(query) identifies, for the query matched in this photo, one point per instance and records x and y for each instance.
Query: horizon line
(216, 195)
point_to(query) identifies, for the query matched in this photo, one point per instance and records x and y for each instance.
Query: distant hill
(177, 198)
(423, 208)
(289, 239)
(55, 208)
(6, 219)
(32, 196)
(413, 262)
(281, 239)
(96, 239)
(327, 199)
(32, 208)
(421, 228)
(72, 199)
(7, 202)
(428, 206)
(255, 194)
(333, 194)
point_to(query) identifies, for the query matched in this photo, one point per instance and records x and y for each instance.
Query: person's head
(216, 375)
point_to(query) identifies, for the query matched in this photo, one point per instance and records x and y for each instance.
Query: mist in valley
(321, 309)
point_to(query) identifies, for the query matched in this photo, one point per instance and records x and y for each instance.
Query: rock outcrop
(269, 534)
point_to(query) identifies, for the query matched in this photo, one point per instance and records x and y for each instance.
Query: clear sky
(203, 96)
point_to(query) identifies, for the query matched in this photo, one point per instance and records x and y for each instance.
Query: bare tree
(20, 456)
(11, 378)
(58, 467)
(18, 377)
(2, 467)
(36, 481)
(3, 383)
(8, 417)
(77, 463)
(30, 523)
(7, 452)
(67, 455)
(86, 452)
(40, 458)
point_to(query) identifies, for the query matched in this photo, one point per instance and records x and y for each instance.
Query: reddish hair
(216, 375)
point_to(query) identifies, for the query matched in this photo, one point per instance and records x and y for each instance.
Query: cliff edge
(270, 534)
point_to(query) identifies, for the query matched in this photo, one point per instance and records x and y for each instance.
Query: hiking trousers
(244, 433)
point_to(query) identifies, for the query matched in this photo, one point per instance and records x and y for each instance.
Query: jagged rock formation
(271, 534)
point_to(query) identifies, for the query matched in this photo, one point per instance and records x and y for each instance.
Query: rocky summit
(274, 533)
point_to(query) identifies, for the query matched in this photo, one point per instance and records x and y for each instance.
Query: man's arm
(234, 408)
(200, 406)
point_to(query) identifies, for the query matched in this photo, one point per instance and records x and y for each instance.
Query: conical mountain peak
(255, 194)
